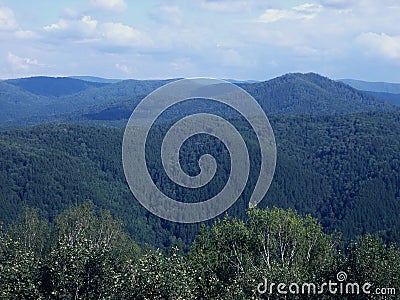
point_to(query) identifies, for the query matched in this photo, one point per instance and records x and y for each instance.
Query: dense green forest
(87, 255)
(343, 170)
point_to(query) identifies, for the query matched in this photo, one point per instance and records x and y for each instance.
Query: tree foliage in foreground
(86, 255)
(275, 244)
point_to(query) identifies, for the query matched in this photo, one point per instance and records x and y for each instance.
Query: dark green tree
(370, 260)
(19, 270)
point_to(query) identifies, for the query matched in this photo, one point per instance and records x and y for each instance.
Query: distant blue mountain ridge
(35, 100)
(381, 87)
(381, 90)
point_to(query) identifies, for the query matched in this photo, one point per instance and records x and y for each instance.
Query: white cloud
(123, 68)
(329, 31)
(22, 64)
(26, 34)
(305, 11)
(72, 28)
(60, 25)
(116, 6)
(119, 34)
(204, 37)
(231, 57)
(107, 36)
(381, 44)
(7, 19)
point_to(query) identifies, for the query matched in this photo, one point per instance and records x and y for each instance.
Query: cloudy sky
(252, 39)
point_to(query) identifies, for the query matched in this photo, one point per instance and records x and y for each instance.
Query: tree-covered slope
(390, 97)
(53, 167)
(344, 170)
(358, 157)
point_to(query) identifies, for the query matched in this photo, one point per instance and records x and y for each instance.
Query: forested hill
(342, 169)
(22, 101)
(311, 93)
(34, 100)
(50, 86)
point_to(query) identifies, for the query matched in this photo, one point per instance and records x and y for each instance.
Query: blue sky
(253, 39)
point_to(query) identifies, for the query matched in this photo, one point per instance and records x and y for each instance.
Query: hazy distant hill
(16, 103)
(22, 104)
(309, 94)
(384, 87)
(53, 86)
(241, 81)
(19, 106)
(381, 90)
(96, 79)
